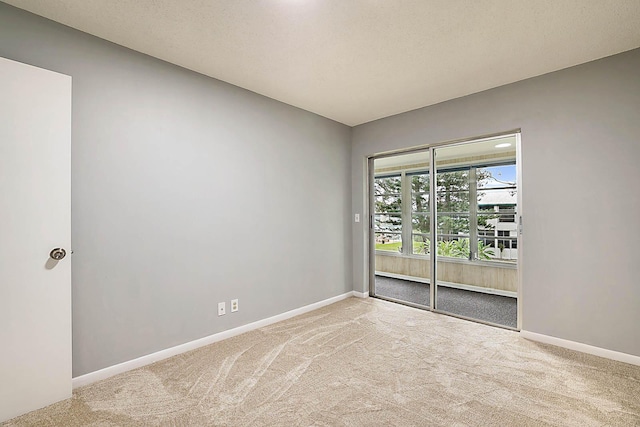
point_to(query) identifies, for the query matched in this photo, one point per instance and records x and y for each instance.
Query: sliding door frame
(370, 218)
(433, 258)
(433, 244)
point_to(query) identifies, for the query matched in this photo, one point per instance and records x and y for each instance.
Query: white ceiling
(359, 60)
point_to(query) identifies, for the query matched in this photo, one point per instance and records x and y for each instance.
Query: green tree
(388, 203)
(453, 199)
(459, 248)
(420, 217)
(453, 207)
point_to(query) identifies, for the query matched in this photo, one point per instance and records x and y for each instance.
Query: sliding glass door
(469, 236)
(401, 228)
(476, 230)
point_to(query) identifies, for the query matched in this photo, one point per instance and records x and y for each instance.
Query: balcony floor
(476, 305)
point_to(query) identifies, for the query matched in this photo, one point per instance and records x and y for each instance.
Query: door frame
(38, 336)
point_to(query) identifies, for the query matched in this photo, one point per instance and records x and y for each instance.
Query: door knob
(57, 254)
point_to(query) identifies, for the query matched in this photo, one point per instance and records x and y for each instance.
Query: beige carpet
(362, 363)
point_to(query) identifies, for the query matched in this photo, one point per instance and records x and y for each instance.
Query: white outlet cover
(221, 309)
(234, 305)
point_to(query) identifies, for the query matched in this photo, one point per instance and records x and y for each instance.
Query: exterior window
(388, 213)
(497, 210)
(474, 204)
(487, 237)
(420, 213)
(453, 213)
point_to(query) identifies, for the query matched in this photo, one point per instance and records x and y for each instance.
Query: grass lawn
(395, 247)
(392, 246)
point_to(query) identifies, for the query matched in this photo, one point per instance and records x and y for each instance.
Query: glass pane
(388, 222)
(421, 223)
(390, 242)
(487, 245)
(453, 248)
(507, 243)
(497, 176)
(420, 202)
(453, 201)
(487, 220)
(453, 225)
(420, 213)
(387, 185)
(452, 180)
(388, 203)
(420, 217)
(397, 177)
(420, 192)
(486, 250)
(497, 212)
(388, 213)
(421, 244)
(476, 218)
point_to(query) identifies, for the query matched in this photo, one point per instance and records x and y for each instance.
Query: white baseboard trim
(360, 294)
(450, 285)
(583, 348)
(139, 362)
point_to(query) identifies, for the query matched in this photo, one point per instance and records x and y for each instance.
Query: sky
(503, 173)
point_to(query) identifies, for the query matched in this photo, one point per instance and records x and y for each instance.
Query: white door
(35, 217)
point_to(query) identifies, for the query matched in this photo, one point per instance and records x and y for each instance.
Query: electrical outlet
(234, 305)
(221, 309)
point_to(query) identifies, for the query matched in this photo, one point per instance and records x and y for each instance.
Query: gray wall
(187, 191)
(580, 154)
